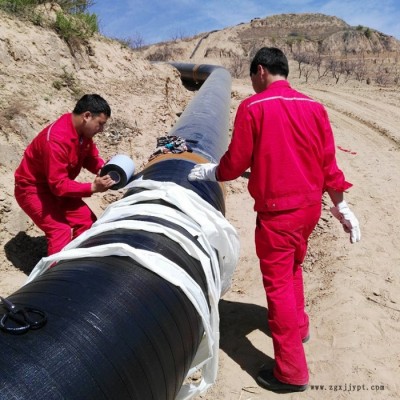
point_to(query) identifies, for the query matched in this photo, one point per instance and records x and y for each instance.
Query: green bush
(368, 33)
(75, 6)
(76, 28)
(18, 7)
(74, 24)
(23, 7)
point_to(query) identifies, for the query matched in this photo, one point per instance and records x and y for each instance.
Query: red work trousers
(281, 244)
(60, 218)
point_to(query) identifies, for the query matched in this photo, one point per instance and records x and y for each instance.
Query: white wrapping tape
(217, 237)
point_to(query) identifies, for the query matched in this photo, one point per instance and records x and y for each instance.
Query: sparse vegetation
(322, 46)
(77, 28)
(73, 23)
(237, 66)
(23, 7)
(164, 53)
(135, 42)
(178, 35)
(17, 7)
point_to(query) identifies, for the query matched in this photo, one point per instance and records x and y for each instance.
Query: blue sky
(163, 20)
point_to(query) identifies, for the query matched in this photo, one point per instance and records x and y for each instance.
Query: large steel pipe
(205, 125)
(118, 330)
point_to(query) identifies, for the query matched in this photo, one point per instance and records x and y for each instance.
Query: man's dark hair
(272, 59)
(92, 103)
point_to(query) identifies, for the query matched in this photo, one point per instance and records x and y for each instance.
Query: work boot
(267, 380)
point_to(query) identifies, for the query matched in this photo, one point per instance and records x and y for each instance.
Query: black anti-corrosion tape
(154, 242)
(18, 363)
(175, 170)
(107, 324)
(118, 170)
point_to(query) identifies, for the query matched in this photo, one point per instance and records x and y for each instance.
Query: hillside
(352, 290)
(323, 46)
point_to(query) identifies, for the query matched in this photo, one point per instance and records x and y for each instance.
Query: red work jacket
(55, 158)
(286, 139)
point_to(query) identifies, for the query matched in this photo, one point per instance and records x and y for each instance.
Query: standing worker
(286, 139)
(44, 181)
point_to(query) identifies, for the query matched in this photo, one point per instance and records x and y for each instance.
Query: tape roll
(120, 168)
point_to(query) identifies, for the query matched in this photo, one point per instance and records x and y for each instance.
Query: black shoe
(267, 380)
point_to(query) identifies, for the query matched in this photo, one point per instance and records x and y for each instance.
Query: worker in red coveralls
(286, 139)
(44, 181)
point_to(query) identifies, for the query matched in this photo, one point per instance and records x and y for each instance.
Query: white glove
(349, 221)
(203, 172)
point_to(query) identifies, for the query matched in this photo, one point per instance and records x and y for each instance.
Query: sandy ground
(352, 290)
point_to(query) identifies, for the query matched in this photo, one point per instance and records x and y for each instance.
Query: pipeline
(194, 75)
(132, 303)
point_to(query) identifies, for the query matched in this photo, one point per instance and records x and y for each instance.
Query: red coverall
(44, 182)
(286, 139)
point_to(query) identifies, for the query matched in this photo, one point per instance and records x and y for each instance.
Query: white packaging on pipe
(216, 235)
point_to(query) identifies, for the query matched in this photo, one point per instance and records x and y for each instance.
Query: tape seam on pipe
(219, 232)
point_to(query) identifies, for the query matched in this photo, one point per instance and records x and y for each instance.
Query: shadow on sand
(237, 322)
(25, 251)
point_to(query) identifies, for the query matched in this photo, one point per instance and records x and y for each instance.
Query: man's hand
(203, 172)
(102, 183)
(348, 220)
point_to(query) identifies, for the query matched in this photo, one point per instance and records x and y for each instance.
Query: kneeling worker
(44, 181)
